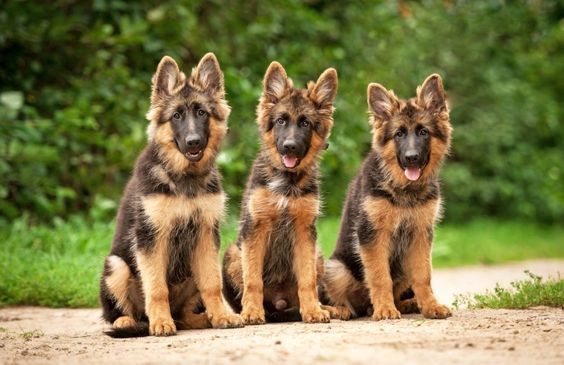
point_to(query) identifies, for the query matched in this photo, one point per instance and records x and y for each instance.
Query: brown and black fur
(382, 262)
(276, 264)
(163, 265)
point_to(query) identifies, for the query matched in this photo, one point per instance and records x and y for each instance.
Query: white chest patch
(275, 184)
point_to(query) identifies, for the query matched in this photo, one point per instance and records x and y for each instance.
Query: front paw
(226, 320)
(162, 327)
(315, 315)
(253, 315)
(386, 311)
(436, 311)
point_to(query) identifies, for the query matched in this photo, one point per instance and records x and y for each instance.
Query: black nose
(290, 145)
(412, 156)
(193, 140)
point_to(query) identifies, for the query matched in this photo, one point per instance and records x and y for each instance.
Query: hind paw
(408, 306)
(334, 312)
(162, 327)
(436, 311)
(344, 312)
(227, 320)
(124, 322)
(195, 321)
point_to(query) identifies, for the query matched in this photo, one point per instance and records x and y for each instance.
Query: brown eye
(176, 116)
(423, 132)
(201, 112)
(399, 134)
(304, 123)
(280, 121)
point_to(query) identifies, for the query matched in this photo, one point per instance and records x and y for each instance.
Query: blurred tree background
(75, 84)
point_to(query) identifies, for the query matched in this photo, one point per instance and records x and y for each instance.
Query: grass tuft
(527, 293)
(28, 335)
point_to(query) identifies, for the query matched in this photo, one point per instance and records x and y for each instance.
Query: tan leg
(253, 253)
(152, 267)
(205, 267)
(305, 267)
(418, 268)
(375, 257)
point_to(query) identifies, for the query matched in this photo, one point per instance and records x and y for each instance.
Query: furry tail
(141, 329)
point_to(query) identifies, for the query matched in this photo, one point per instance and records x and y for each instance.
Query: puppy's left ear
(325, 89)
(208, 77)
(431, 95)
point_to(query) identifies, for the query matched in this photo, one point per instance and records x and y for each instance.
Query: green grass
(478, 242)
(522, 294)
(60, 265)
(492, 242)
(28, 335)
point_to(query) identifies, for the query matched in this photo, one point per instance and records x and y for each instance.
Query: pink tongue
(290, 161)
(412, 173)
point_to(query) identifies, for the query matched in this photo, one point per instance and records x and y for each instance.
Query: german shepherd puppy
(164, 256)
(276, 264)
(382, 261)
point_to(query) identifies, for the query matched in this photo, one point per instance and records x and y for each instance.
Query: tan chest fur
(386, 216)
(165, 210)
(267, 205)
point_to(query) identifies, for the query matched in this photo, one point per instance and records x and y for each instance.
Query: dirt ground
(535, 336)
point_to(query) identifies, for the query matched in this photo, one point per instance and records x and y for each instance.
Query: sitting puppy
(163, 260)
(276, 264)
(382, 261)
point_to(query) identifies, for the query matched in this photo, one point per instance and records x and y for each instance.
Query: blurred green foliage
(75, 83)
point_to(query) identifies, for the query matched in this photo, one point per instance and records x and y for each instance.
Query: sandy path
(534, 336)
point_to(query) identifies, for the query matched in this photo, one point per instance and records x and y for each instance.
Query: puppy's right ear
(382, 104)
(166, 78)
(431, 94)
(208, 76)
(325, 89)
(275, 84)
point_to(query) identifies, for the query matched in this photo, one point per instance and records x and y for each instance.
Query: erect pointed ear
(207, 76)
(431, 95)
(325, 89)
(381, 102)
(166, 78)
(276, 83)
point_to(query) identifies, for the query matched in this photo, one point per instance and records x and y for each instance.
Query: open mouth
(194, 156)
(290, 161)
(412, 173)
